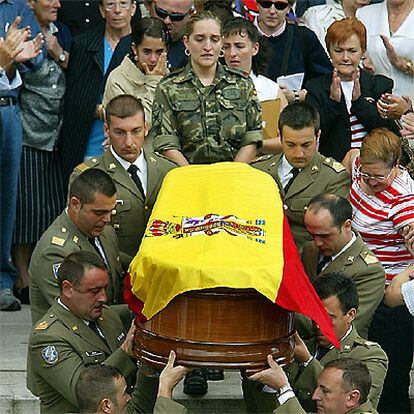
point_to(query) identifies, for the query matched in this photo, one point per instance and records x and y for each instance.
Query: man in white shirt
(135, 169)
(342, 388)
(301, 171)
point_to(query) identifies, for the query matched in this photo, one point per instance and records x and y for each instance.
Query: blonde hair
(199, 17)
(381, 145)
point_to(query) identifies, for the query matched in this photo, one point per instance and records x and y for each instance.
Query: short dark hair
(355, 375)
(91, 182)
(299, 115)
(339, 285)
(123, 106)
(338, 207)
(150, 27)
(95, 383)
(75, 265)
(245, 28)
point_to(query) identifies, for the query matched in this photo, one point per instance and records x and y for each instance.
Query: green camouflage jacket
(207, 124)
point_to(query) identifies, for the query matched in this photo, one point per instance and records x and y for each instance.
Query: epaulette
(239, 72)
(362, 341)
(265, 157)
(153, 160)
(335, 165)
(369, 257)
(46, 322)
(177, 76)
(82, 167)
(87, 164)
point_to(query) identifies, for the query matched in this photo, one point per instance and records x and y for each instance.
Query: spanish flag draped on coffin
(220, 225)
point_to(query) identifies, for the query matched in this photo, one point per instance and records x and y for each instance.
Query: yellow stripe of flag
(218, 225)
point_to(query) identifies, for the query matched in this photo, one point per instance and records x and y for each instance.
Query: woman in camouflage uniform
(206, 112)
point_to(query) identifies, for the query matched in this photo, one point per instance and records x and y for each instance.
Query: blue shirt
(96, 136)
(9, 10)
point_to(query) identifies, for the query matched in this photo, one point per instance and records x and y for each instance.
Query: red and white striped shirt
(379, 217)
(358, 132)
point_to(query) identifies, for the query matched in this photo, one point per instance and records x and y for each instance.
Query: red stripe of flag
(296, 292)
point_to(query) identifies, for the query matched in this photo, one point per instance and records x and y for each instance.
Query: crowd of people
(100, 99)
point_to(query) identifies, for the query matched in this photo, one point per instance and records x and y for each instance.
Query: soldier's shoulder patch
(335, 165)
(55, 269)
(50, 354)
(58, 241)
(41, 326)
(369, 257)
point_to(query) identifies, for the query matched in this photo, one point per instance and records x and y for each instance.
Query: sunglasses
(175, 17)
(279, 5)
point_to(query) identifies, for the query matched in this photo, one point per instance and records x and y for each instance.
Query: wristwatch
(408, 65)
(296, 96)
(62, 57)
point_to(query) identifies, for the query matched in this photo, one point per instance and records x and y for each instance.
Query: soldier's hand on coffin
(128, 344)
(170, 376)
(274, 376)
(301, 352)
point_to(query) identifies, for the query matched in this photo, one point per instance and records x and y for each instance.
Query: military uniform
(321, 175)
(132, 211)
(59, 240)
(362, 266)
(304, 380)
(167, 406)
(292, 406)
(207, 124)
(61, 345)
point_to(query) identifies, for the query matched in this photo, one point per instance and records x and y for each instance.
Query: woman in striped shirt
(382, 197)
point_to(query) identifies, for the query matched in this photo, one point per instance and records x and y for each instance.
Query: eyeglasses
(380, 178)
(279, 5)
(175, 17)
(110, 5)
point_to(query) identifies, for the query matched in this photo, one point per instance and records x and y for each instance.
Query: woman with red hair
(346, 98)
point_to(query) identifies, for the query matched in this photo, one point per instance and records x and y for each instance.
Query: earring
(221, 54)
(187, 52)
(135, 57)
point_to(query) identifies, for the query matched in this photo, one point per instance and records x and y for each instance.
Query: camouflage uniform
(207, 124)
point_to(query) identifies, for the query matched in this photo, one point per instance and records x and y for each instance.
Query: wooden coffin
(222, 327)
